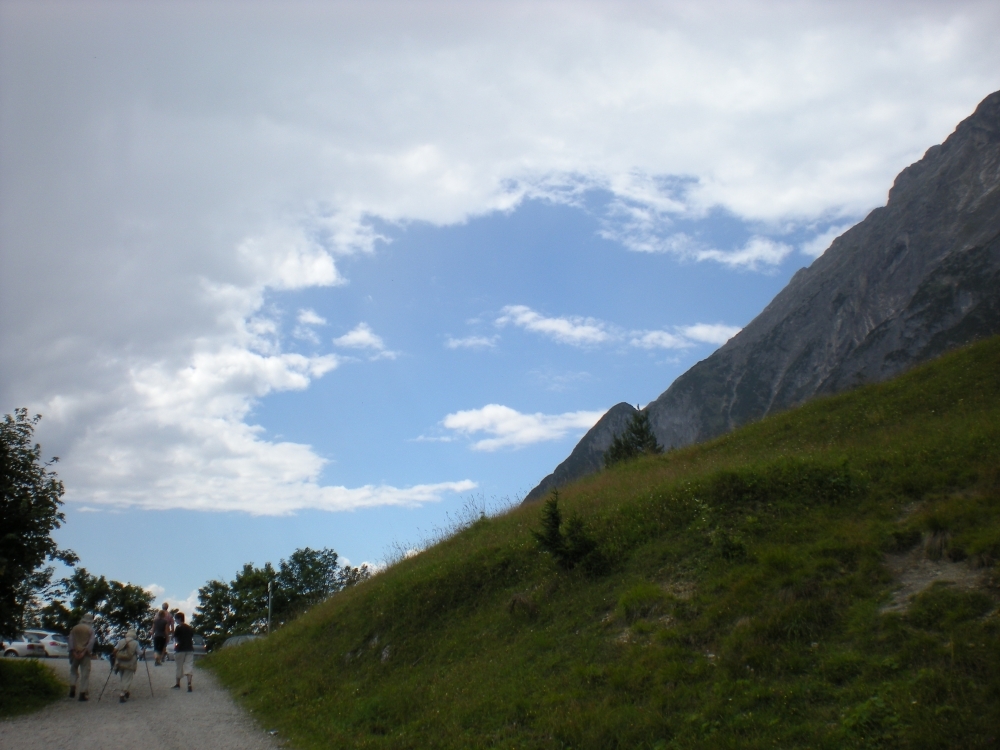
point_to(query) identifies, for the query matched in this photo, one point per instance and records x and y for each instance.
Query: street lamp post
(269, 607)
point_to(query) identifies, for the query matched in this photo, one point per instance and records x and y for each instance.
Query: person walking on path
(81, 646)
(183, 653)
(126, 657)
(162, 626)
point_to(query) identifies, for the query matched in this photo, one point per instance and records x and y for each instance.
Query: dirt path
(206, 719)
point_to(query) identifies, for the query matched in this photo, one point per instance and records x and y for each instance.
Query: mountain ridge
(914, 279)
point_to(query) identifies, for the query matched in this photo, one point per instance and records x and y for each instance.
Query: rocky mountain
(588, 455)
(917, 277)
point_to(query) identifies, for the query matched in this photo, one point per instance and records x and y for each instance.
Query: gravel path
(206, 719)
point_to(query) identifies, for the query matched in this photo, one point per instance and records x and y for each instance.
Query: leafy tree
(30, 496)
(637, 440)
(116, 606)
(306, 578)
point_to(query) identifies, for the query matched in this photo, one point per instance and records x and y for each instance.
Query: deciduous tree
(30, 497)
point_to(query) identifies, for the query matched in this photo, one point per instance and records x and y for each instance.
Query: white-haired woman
(126, 656)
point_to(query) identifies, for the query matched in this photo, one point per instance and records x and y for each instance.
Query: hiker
(170, 622)
(81, 645)
(163, 625)
(183, 653)
(126, 659)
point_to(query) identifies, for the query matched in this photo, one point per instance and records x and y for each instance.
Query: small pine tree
(569, 544)
(550, 538)
(637, 440)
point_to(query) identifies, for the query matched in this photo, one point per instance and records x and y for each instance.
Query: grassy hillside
(741, 596)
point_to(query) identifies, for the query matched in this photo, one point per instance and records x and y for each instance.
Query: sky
(325, 274)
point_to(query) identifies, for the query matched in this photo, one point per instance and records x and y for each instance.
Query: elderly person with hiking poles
(126, 660)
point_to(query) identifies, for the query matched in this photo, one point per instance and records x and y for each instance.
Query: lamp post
(269, 607)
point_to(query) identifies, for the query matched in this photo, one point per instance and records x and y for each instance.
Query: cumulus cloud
(566, 330)
(206, 158)
(471, 342)
(512, 429)
(658, 340)
(710, 333)
(310, 318)
(363, 337)
(756, 252)
(590, 331)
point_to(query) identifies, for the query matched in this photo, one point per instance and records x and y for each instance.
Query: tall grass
(742, 603)
(26, 685)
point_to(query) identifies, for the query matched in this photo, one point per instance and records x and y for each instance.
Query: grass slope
(26, 685)
(739, 605)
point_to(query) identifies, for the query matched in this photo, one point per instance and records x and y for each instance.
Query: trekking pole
(111, 669)
(144, 661)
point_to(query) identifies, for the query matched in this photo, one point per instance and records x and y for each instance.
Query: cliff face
(588, 455)
(917, 277)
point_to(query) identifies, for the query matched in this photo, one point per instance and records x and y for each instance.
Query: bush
(569, 547)
(26, 685)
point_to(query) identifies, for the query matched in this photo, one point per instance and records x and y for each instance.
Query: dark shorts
(159, 643)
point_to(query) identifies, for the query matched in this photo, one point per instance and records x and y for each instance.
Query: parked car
(236, 640)
(200, 648)
(23, 645)
(55, 644)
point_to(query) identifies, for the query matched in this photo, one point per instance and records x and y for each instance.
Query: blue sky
(299, 274)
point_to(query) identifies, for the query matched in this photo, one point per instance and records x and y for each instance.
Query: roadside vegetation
(25, 686)
(743, 593)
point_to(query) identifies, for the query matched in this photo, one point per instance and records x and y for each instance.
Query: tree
(305, 579)
(637, 440)
(116, 606)
(570, 546)
(30, 496)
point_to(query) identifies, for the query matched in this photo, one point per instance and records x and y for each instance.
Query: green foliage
(241, 606)
(640, 601)
(30, 496)
(25, 686)
(571, 546)
(116, 606)
(637, 440)
(746, 607)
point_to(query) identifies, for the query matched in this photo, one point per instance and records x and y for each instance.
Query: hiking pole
(144, 661)
(111, 669)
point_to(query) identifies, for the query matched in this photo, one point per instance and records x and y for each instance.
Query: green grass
(25, 686)
(738, 604)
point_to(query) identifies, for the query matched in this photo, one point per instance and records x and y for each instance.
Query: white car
(198, 642)
(23, 645)
(55, 644)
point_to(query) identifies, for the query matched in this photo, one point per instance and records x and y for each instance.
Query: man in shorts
(183, 653)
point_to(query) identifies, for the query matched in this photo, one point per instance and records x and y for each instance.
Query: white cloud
(569, 330)
(512, 429)
(471, 342)
(187, 604)
(756, 252)
(589, 331)
(218, 156)
(310, 318)
(710, 333)
(304, 328)
(363, 337)
(658, 340)
(821, 242)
